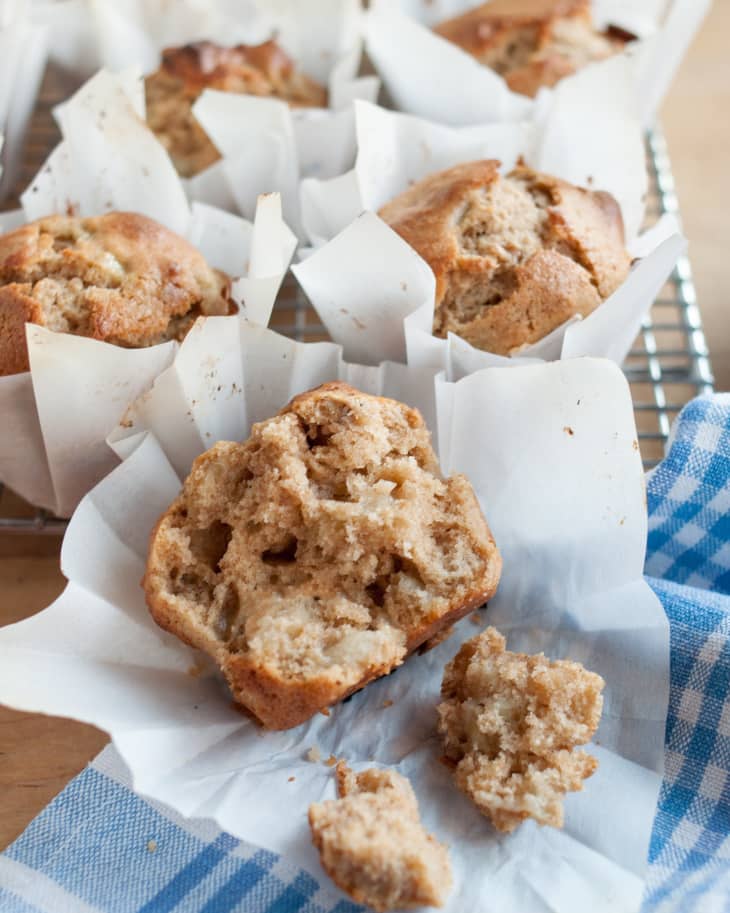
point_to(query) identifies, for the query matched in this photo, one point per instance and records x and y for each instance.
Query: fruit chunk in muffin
(315, 556)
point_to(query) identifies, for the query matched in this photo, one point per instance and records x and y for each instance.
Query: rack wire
(667, 366)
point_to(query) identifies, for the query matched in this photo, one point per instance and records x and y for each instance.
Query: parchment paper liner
(551, 450)
(23, 49)
(429, 76)
(56, 416)
(374, 293)
(266, 145)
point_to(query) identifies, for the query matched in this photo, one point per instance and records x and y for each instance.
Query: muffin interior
(510, 724)
(323, 549)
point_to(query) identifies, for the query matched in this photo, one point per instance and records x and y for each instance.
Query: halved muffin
(315, 556)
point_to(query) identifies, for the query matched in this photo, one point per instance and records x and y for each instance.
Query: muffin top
(532, 43)
(514, 256)
(120, 277)
(264, 70)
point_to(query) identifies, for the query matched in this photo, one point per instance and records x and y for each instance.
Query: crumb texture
(120, 277)
(372, 843)
(264, 70)
(316, 555)
(510, 723)
(531, 43)
(514, 256)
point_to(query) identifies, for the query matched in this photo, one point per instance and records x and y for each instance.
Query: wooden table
(38, 755)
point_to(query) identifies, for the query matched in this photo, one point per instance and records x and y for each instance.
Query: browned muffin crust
(511, 723)
(514, 257)
(263, 69)
(532, 43)
(372, 844)
(314, 557)
(119, 277)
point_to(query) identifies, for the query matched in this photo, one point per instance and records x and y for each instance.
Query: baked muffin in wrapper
(58, 413)
(550, 450)
(532, 225)
(271, 86)
(454, 61)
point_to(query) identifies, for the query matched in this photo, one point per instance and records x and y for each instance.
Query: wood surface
(38, 754)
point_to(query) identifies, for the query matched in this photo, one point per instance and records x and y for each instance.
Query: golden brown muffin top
(531, 43)
(263, 69)
(120, 277)
(514, 256)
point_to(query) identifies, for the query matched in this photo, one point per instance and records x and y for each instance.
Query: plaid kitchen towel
(99, 847)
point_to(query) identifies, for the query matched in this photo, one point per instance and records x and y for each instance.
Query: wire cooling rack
(667, 366)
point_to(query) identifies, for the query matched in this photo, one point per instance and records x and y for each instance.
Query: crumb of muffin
(373, 845)
(510, 724)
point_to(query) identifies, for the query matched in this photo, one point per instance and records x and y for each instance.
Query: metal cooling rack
(667, 366)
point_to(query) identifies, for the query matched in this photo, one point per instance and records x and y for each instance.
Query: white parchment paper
(23, 49)
(429, 76)
(375, 295)
(57, 415)
(266, 146)
(551, 451)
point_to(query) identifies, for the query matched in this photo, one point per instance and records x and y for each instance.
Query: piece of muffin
(514, 256)
(510, 723)
(532, 43)
(184, 73)
(318, 554)
(372, 844)
(119, 277)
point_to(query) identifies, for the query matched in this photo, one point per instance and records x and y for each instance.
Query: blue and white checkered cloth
(99, 847)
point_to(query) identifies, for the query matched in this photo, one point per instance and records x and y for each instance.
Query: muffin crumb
(372, 843)
(510, 723)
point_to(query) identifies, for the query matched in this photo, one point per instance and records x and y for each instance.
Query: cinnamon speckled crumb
(510, 724)
(372, 843)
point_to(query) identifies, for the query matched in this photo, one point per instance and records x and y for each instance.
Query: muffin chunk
(532, 43)
(318, 554)
(514, 256)
(510, 723)
(184, 73)
(119, 277)
(372, 844)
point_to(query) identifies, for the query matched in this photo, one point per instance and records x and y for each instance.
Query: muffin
(120, 277)
(510, 724)
(372, 844)
(315, 556)
(514, 256)
(532, 43)
(264, 70)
